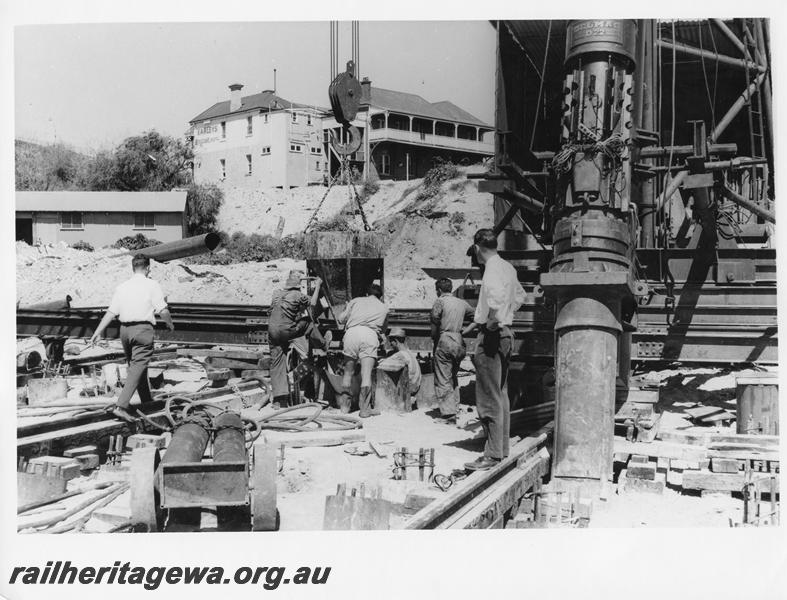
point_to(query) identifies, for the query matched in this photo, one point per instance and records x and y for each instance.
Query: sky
(92, 85)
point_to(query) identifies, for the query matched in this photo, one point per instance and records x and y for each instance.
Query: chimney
(235, 89)
(366, 91)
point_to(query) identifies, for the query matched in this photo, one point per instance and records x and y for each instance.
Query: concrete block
(662, 464)
(144, 440)
(55, 466)
(41, 392)
(724, 465)
(641, 471)
(88, 461)
(635, 484)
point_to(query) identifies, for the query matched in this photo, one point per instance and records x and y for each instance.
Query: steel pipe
(188, 442)
(730, 35)
(722, 58)
(686, 150)
(748, 205)
(736, 107)
(229, 443)
(191, 246)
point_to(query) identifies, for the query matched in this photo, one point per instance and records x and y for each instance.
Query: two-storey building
(258, 141)
(406, 134)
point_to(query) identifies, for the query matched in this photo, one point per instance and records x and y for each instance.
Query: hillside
(41, 167)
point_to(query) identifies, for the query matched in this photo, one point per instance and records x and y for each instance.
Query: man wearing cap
(364, 321)
(501, 295)
(447, 316)
(292, 316)
(135, 303)
(402, 357)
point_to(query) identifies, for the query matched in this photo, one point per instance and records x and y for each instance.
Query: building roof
(101, 201)
(413, 104)
(265, 100)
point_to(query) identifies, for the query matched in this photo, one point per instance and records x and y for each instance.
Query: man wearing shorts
(364, 321)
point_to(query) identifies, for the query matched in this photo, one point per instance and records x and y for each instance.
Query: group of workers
(293, 321)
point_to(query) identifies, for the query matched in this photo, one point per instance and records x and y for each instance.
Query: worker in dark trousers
(292, 316)
(501, 295)
(447, 317)
(135, 303)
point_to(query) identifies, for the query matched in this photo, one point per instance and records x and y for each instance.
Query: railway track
(709, 323)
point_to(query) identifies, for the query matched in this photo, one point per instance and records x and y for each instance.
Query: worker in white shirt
(365, 319)
(501, 295)
(135, 303)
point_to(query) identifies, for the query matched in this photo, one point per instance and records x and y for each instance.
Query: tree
(203, 202)
(51, 167)
(151, 162)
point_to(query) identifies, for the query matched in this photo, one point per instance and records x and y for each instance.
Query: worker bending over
(135, 302)
(447, 317)
(364, 320)
(292, 316)
(402, 357)
(501, 295)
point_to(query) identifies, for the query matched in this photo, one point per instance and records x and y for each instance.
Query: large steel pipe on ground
(191, 246)
(229, 445)
(188, 443)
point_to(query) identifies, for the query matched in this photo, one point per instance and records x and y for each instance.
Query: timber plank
(303, 439)
(720, 482)
(431, 516)
(489, 508)
(658, 449)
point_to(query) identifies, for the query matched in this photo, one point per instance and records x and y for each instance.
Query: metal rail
(708, 324)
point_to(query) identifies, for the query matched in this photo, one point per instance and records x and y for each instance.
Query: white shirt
(137, 299)
(500, 291)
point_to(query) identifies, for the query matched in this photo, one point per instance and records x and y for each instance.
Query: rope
(541, 86)
(705, 76)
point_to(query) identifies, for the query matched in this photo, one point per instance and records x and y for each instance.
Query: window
(265, 118)
(294, 117)
(71, 220)
(316, 150)
(308, 119)
(248, 161)
(265, 150)
(385, 163)
(224, 130)
(296, 148)
(223, 164)
(326, 136)
(317, 165)
(144, 221)
(249, 126)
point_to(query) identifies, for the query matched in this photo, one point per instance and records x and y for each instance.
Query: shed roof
(101, 201)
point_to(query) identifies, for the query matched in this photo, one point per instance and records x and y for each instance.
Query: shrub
(455, 222)
(135, 242)
(83, 245)
(242, 247)
(442, 171)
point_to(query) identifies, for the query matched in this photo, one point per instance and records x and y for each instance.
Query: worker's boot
(344, 401)
(365, 404)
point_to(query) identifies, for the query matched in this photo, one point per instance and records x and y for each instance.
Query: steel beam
(727, 60)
